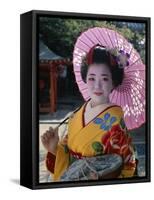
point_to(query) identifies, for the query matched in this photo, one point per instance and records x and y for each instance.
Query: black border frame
(29, 117)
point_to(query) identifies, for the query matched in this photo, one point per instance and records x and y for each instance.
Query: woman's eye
(105, 79)
(91, 79)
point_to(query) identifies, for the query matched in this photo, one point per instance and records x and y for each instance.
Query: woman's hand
(50, 140)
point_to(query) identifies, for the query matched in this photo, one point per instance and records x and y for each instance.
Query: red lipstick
(98, 93)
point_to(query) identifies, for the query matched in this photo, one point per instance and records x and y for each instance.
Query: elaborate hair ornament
(121, 58)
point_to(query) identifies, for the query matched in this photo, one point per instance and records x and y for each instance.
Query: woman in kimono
(98, 127)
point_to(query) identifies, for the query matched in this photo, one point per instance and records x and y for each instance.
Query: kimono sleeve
(50, 162)
(61, 162)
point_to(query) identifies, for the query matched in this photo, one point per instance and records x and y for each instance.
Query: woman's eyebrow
(92, 75)
(95, 75)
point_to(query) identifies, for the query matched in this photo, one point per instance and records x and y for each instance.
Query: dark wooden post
(53, 87)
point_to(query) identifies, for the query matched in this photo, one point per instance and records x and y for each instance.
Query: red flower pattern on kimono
(117, 141)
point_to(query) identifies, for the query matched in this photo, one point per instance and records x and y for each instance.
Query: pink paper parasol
(130, 95)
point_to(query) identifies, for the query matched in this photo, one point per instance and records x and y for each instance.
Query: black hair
(99, 55)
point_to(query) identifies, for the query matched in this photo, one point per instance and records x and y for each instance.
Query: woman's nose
(98, 84)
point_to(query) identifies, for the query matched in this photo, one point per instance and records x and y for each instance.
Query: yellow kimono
(106, 133)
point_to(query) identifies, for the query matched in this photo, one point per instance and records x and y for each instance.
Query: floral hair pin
(120, 57)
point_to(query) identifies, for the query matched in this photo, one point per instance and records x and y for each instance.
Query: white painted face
(99, 83)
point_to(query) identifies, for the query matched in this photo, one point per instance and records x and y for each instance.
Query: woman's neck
(94, 103)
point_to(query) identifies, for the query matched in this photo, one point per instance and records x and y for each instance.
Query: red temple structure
(50, 67)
